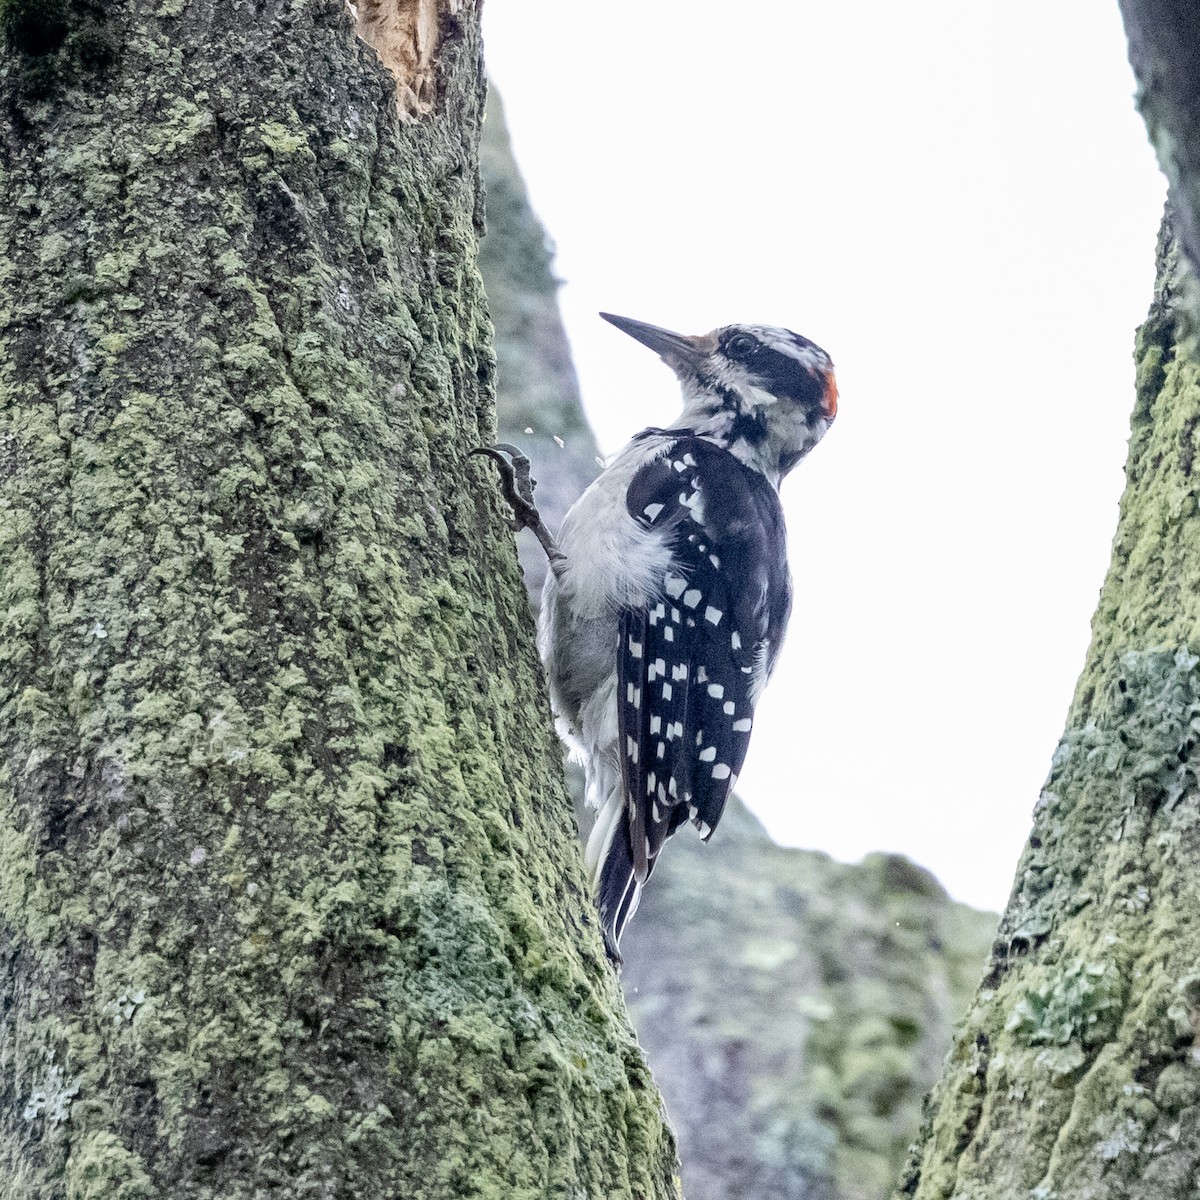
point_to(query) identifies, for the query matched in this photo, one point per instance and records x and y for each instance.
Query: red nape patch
(829, 402)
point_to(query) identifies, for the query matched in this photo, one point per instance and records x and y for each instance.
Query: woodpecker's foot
(516, 485)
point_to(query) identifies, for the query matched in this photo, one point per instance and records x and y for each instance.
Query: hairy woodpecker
(669, 595)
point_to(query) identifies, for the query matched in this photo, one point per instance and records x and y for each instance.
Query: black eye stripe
(777, 371)
(782, 375)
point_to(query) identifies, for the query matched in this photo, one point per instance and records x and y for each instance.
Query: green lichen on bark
(1076, 1073)
(290, 900)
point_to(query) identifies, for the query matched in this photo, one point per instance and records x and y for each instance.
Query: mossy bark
(290, 897)
(1076, 1072)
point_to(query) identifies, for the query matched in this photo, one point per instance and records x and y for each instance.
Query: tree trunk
(1164, 50)
(290, 898)
(1076, 1071)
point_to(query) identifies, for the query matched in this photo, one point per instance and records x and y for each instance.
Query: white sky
(959, 203)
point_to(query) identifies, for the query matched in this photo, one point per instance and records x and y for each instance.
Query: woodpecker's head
(766, 394)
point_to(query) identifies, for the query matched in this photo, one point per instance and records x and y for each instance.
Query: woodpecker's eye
(741, 346)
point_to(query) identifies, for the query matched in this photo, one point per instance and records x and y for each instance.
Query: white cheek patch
(759, 398)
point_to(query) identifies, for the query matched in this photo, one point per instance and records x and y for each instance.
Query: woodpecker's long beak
(676, 349)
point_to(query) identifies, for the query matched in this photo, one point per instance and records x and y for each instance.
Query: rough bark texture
(1077, 1073)
(290, 898)
(1164, 50)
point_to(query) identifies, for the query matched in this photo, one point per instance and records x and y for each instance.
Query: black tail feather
(617, 891)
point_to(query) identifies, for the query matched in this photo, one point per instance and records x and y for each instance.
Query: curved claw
(516, 485)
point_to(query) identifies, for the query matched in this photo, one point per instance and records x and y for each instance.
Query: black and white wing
(693, 662)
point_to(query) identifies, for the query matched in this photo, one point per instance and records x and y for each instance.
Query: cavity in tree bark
(290, 899)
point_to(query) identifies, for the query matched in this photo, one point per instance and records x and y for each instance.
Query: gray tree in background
(795, 1010)
(290, 898)
(538, 406)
